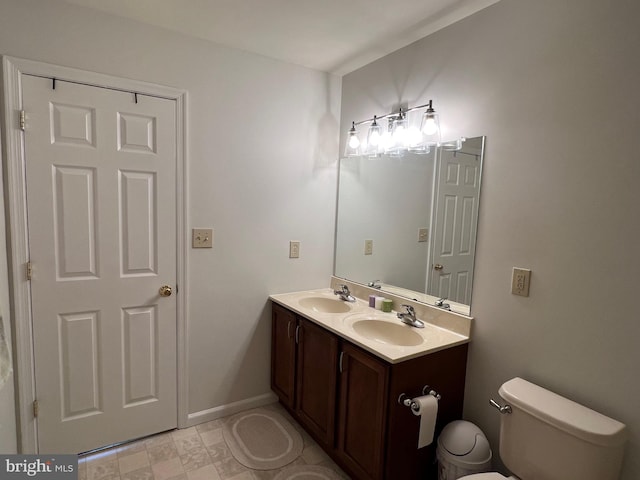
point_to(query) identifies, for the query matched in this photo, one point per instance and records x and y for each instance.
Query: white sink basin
(388, 333)
(324, 305)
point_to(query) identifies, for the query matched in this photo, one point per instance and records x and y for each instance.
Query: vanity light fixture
(399, 136)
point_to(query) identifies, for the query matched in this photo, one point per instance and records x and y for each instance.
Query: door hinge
(29, 270)
(23, 121)
(35, 409)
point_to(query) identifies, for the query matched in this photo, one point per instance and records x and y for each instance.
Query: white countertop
(434, 338)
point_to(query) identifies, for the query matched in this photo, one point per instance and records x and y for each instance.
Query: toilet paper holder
(404, 399)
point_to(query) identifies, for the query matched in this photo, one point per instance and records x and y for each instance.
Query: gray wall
(555, 87)
(255, 186)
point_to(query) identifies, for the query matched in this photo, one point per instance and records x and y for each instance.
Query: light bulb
(354, 141)
(430, 126)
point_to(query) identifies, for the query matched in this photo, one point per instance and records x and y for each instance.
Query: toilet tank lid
(563, 413)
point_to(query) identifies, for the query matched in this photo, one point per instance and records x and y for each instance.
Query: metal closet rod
(394, 114)
(54, 80)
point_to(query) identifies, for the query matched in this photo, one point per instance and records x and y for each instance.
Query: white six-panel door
(101, 201)
(454, 230)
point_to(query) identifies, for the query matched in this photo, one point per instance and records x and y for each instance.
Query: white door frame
(20, 291)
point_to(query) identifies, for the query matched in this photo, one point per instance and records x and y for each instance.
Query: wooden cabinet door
(316, 380)
(283, 354)
(362, 407)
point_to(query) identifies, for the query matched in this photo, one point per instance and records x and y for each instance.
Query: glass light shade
(414, 137)
(453, 145)
(415, 142)
(430, 128)
(374, 137)
(398, 142)
(352, 148)
(420, 149)
(385, 141)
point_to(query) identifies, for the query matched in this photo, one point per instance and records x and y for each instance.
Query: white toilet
(547, 437)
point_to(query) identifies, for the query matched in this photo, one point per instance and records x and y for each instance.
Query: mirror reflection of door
(454, 228)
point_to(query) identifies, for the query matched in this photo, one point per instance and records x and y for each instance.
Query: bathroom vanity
(340, 369)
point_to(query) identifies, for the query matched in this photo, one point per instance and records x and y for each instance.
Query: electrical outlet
(202, 238)
(520, 281)
(423, 235)
(294, 249)
(368, 247)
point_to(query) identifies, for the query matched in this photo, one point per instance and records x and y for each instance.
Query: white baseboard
(230, 408)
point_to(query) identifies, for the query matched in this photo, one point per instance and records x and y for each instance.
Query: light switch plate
(294, 249)
(520, 280)
(368, 247)
(423, 235)
(202, 238)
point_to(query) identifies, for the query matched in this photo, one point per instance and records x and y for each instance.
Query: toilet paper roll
(428, 412)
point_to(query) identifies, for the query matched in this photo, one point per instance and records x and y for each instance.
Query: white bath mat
(262, 439)
(307, 472)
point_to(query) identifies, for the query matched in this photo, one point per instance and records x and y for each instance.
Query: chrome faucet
(409, 317)
(440, 303)
(374, 284)
(344, 293)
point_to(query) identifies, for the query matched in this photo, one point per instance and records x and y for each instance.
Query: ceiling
(336, 36)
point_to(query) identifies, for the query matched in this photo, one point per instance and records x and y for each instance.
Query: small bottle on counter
(379, 303)
(387, 305)
(372, 301)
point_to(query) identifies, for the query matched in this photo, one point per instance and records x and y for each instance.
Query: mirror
(409, 223)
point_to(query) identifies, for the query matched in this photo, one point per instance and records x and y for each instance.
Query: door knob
(437, 266)
(165, 291)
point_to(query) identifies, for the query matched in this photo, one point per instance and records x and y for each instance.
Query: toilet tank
(548, 437)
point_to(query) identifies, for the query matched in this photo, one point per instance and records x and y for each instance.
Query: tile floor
(195, 453)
